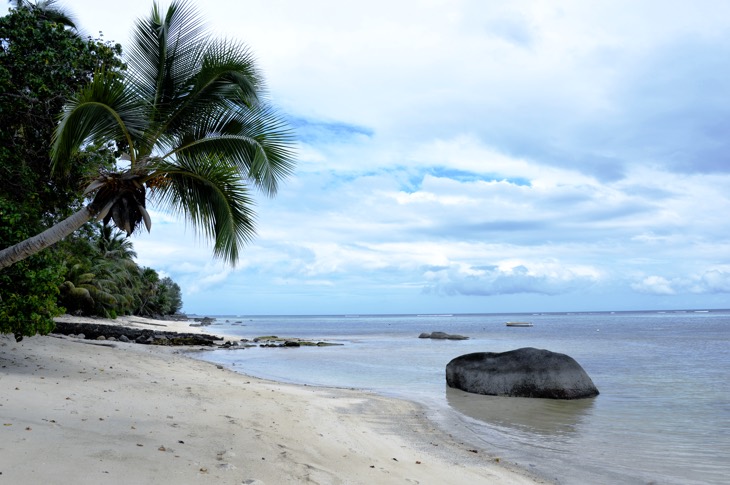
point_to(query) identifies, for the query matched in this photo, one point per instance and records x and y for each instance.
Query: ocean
(662, 416)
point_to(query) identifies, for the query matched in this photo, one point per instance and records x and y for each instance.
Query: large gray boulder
(526, 372)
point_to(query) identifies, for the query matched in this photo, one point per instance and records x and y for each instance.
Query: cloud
(211, 277)
(313, 131)
(513, 29)
(550, 278)
(715, 281)
(523, 151)
(654, 285)
(709, 281)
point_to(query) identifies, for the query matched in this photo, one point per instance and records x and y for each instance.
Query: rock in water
(442, 336)
(526, 372)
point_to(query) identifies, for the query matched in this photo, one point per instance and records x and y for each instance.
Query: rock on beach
(526, 372)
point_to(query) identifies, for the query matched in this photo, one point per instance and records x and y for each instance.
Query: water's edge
(657, 418)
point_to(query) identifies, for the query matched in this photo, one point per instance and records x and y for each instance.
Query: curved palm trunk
(50, 236)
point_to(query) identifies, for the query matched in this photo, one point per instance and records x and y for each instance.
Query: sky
(474, 156)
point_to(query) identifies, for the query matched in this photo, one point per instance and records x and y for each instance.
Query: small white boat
(519, 324)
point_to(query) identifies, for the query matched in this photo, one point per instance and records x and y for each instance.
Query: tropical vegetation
(184, 124)
(43, 62)
(102, 278)
(189, 118)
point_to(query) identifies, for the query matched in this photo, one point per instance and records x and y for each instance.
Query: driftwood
(93, 331)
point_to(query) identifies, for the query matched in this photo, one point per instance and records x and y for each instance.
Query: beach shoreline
(86, 411)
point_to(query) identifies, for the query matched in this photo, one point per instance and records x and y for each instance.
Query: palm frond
(257, 141)
(103, 110)
(48, 10)
(114, 245)
(226, 74)
(232, 66)
(164, 52)
(212, 196)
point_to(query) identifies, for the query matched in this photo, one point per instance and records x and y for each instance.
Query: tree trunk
(50, 236)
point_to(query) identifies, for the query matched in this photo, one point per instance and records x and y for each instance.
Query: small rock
(442, 336)
(123, 338)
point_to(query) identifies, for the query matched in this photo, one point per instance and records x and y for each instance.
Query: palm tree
(49, 11)
(149, 282)
(116, 256)
(113, 244)
(190, 121)
(101, 277)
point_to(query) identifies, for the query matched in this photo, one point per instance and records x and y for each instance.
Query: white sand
(82, 412)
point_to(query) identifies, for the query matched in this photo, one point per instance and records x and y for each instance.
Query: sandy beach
(94, 412)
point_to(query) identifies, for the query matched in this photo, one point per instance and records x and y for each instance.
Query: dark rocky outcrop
(526, 372)
(93, 331)
(99, 331)
(175, 317)
(442, 336)
(272, 341)
(203, 322)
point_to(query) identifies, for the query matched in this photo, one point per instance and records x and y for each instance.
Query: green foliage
(159, 296)
(102, 279)
(166, 299)
(29, 289)
(42, 63)
(192, 119)
(173, 295)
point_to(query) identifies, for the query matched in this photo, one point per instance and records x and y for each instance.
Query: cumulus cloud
(710, 281)
(507, 279)
(654, 285)
(715, 281)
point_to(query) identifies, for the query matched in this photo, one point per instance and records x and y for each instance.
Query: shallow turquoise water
(663, 414)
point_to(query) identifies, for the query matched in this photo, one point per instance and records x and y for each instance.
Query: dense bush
(28, 289)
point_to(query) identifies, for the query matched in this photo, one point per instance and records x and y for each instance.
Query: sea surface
(662, 416)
